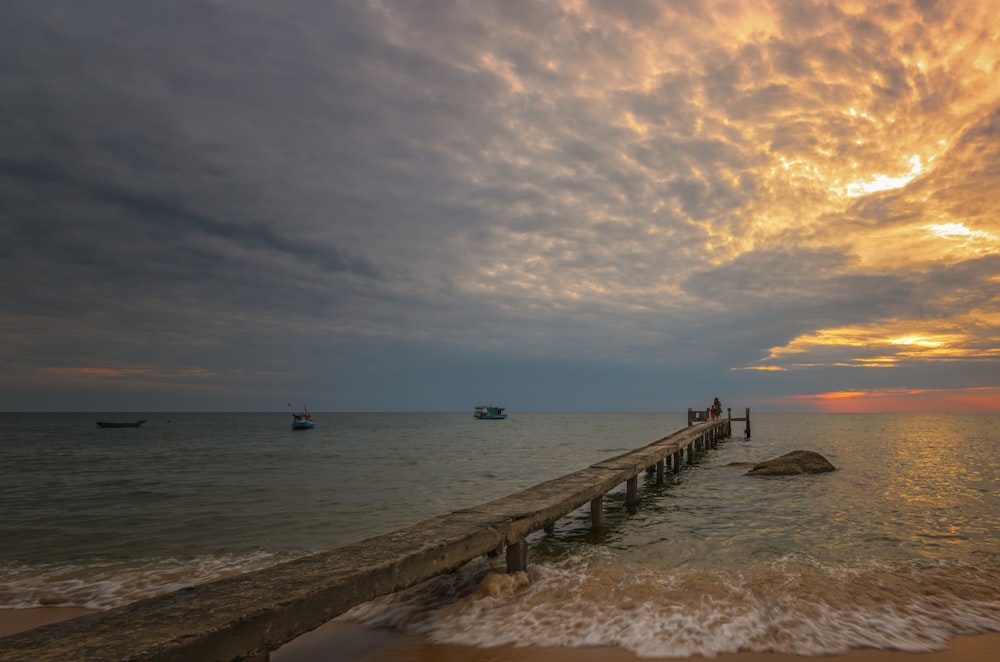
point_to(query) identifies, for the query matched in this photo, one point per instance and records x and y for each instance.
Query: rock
(499, 584)
(791, 464)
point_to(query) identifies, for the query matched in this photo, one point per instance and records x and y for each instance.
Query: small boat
(120, 424)
(301, 420)
(489, 412)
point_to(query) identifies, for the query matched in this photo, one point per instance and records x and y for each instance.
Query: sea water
(898, 548)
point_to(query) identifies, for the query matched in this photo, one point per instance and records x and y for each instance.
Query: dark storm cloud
(149, 211)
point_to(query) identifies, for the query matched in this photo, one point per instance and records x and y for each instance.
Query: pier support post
(632, 490)
(678, 459)
(517, 556)
(597, 512)
(746, 433)
(691, 453)
(659, 471)
(690, 416)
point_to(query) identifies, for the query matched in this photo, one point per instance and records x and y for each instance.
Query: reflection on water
(898, 548)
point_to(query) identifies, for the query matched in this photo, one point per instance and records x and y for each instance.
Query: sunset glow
(964, 401)
(893, 342)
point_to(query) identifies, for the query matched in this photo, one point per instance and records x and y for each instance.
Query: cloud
(352, 195)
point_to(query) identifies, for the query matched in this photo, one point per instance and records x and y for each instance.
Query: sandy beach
(338, 641)
(18, 620)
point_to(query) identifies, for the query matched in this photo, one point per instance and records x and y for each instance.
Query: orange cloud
(888, 343)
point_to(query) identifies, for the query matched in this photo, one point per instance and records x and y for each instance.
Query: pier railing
(247, 616)
(700, 416)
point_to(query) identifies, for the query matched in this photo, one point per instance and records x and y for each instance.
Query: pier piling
(597, 512)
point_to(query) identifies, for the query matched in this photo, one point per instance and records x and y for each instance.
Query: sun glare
(882, 182)
(956, 231)
(919, 341)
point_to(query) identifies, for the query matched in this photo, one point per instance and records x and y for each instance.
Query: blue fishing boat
(302, 421)
(489, 412)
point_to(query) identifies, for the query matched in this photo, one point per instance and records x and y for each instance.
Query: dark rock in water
(791, 464)
(740, 464)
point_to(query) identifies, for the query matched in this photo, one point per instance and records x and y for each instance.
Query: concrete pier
(246, 617)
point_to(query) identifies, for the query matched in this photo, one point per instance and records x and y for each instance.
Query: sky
(567, 205)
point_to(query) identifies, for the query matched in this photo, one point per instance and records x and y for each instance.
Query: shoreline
(360, 644)
(13, 621)
(344, 640)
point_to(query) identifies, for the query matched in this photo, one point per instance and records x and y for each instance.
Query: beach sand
(337, 641)
(18, 620)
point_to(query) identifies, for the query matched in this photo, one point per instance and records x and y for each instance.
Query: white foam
(108, 584)
(794, 605)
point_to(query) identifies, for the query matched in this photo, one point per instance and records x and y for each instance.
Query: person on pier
(716, 410)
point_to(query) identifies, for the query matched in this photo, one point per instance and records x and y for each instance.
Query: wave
(108, 584)
(790, 605)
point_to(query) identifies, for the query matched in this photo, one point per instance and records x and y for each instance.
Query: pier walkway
(247, 616)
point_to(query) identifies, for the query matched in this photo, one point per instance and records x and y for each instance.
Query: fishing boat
(489, 412)
(120, 424)
(302, 421)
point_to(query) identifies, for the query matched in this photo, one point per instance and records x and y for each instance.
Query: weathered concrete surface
(245, 617)
(791, 464)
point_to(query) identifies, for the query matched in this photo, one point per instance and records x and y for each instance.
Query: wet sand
(337, 641)
(18, 620)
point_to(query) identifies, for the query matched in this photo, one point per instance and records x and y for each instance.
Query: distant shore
(337, 641)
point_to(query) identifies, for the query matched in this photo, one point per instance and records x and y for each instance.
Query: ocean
(898, 548)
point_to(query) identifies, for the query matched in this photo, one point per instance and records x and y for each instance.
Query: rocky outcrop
(791, 464)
